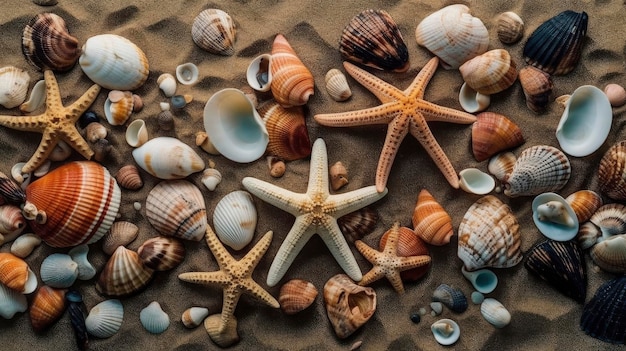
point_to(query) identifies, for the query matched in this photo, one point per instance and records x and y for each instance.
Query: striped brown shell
(538, 169)
(47, 43)
(612, 172)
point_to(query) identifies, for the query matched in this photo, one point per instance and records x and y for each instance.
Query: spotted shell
(288, 133)
(162, 253)
(47, 44)
(296, 295)
(603, 316)
(490, 73)
(612, 172)
(48, 305)
(431, 222)
(538, 169)
(292, 82)
(493, 133)
(214, 31)
(123, 274)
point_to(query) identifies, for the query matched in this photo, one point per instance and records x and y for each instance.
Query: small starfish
(316, 211)
(56, 123)
(387, 263)
(235, 277)
(405, 112)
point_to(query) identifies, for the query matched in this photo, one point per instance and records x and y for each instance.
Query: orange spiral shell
(292, 82)
(431, 222)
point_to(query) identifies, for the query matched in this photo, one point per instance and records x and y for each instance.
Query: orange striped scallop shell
(292, 82)
(289, 137)
(431, 222)
(47, 306)
(492, 133)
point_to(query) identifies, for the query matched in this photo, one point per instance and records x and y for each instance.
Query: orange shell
(13, 271)
(296, 295)
(492, 133)
(490, 73)
(431, 222)
(409, 244)
(538, 88)
(47, 306)
(123, 274)
(292, 82)
(289, 137)
(584, 203)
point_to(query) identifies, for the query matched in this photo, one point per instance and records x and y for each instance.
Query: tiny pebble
(87, 118)
(477, 297)
(137, 205)
(437, 308)
(356, 345)
(422, 311)
(416, 318)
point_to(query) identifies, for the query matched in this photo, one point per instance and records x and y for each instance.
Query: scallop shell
(610, 254)
(495, 313)
(123, 274)
(288, 133)
(612, 172)
(187, 73)
(603, 316)
(234, 219)
(538, 88)
(538, 169)
(588, 235)
(58, 271)
(16, 274)
(11, 302)
(105, 319)
(453, 35)
(475, 181)
(296, 295)
(168, 158)
(584, 203)
(121, 233)
(47, 44)
(128, 177)
(348, 305)
(338, 175)
(554, 217)
(451, 297)
(80, 201)
(194, 316)
(610, 219)
(372, 38)
(222, 335)
(13, 86)
(471, 100)
(489, 235)
(48, 305)
(493, 133)
(556, 45)
(177, 208)
(12, 222)
(118, 106)
(25, 244)
(214, 31)
(154, 319)
(491, 72)
(211, 178)
(562, 265)
(114, 62)
(409, 244)
(501, 164)
(431, 222)
(355, 225)
(292, 82)
(509, 27)
(162, 253)
(337, 85)
(616, 94)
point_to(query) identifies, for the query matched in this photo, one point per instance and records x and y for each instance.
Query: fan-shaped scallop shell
(337, 85)
(603, 315)
(118, 107)
(13, 86)
(292, 82)
(47, 44)
(234, 219)
(105, 319)
(162, 253)
(16, 274)
(214, 31)
(584, 203)
(490, 73)
(510, 27)
(121, 233)
(348, 305)
(610, 254)
(372, 38)
(501, 164)
(489, 235)
(556, 46)
(176, 208)
(48, 305)
(431, 222)
(128, 177)
(355, 225)
(538, 169)
(123, 274)
(288, 133)
(168, 158)
(154, 319)
(296, 295)
(452, 297)
(493, 133)
(59, 271)
(80, 201)
(612, 172)
(409, 244)
(538, 88)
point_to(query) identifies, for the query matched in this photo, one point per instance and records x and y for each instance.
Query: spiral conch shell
(47, 44)
(538, 169)
(214, 31)
(292, 82)
(431, 221)
(348, 305)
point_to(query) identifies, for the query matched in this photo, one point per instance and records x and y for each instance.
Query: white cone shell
(168, 158)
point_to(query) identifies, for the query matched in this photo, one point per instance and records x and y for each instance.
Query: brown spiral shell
(47, 44)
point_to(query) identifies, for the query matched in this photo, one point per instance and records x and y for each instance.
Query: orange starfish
(56, 123)
(405, 112)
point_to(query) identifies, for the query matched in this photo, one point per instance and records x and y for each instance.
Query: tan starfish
(56, 123)
(316, 211)
(405, 112)
(235, 277)
(387, 263)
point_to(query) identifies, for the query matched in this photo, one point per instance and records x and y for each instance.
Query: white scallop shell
(154, 319)
(13, 86)
(214, 31)
(105, 319)
(25, 244)
(187, 73)
(538, 169)
(58, 271)
(137, 133)
(168, 158)
(78, 254)
(495, 313)
(194, 316)
(11, 302)
(234, 219)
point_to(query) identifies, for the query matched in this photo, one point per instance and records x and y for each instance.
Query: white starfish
(316, 212)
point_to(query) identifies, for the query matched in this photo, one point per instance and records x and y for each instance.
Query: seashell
(95, 131)
(118, 106)
(161, 253)
(47, 44)
(292, 82)
(610, 219)
(355, 225)
(495, 313)
(436, 307)
(75, 309)
(296, 295)
(202, 140)
(338, 175)
(48, 305)
(493, 133)
(121, 233)
(501, 164)
(137, 103)
(194, 316)
(610, 254)
(114, 62)
(446, 331)
(556, 46)
(584, 203)
(154, 319)
(451, 297)
(180, 101)
(176, 208)
(471, 100)
(58, 271)
(78, 254)
(258, 73)
(372, 38)
(234, 127)
(187, 73)
(10, 190)
(222, 335)
(409, 244)
(538, 88)
(167, 84)
(562, 265)
(453, 35)
(509, 27)
(43, 169)
(588, 235)
(13, 86)
(554, 217)
(348, 305)
(277, 166)
(15, 274)
(489, 73)
(11, 302)
(489, 235)
(105, 319)
(602, 317)
(611, 172)
(616, 94)
(214, 31)
(62, 151)
(165, 119)
(431, 222)
(25, 244)
(483, 280)
(477, 297)
(128, 177)
(337, 85)
(211, 177)
(288, 134)
(168, 158)
(538, 169)
(123, 274)
(12, 222)
(136, 133)
(234, 219)
(80, 201)
(475, 181)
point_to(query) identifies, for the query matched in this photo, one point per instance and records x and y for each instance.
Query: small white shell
(194, 316)
(36, 99)
(105, 319)
(25, 244)
(78, 254)
(234, 219)
(58, 271)
(337, 85)
(13, 86)
(554, 217)
(471, 100)
(137, 133)
(495, 313)
(167, 84)
(154, 319)
(168, 158)
(211, 177)
(475, 181)
(187, 73)
(11, 302)
(446, 331)
(259, 74)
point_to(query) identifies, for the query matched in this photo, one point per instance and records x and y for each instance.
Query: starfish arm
(381, 114)
(76, 142)
(253, 257)
(295, 240)
(417, 88)
(223, 258)
(81, 105)
(396, 132)
(336, 243)
(286, 200)
(53, 94)
(354, 200)
(374, 274)
(384, 91)
(206, 278)
(46, 145)
(393, 276)
(318, 173)
(24, 123)
(230, 298)
(254, 289)
(436, 113)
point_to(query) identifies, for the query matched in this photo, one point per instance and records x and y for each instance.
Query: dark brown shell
(603, 316)
(47, 44)
(355, 225)
(162, 253)
(538, 88)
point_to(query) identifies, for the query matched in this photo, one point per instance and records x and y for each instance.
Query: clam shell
(610, 254)
(471, 100)
(234, 219)
(128, 177)
(584, 203)
(355, 225)
(168, 158)
(187, 73)
(538, 88)
(167, 84)
(337, 85)
(338, 175)
(222, 335)
(105, 319)
(162, 253)
(214, 31)
(588, 235)
(556, 45)
(495, 313)
(509, 27)
(58, 271)
(118, 106)
(490, 73)
(121, 233)
(288, 133)
(446, 331)
(348, 305)
(453, 35)
(538, 169)
(176, 208)
(562, 265)
(11, 302)
(47, 44)
(292, 82)
(25, 244)
(554, 217)
(493, 133)
(194, 316)
(483, 280)
(78, 254)
(603, 316)
(475, 181)
(489, 235)
(154, 319)
(136, 133)
(501, 164)
(372, 38)
(114, 62)
(13, 86)
(431, 222)
(80, 200)
(616, 94)
(610, 220)
(211, 178)
(612, 172)
(296, 295)
(16, 274)
(95, 131)
(409, 244)
(12, 222)
(123, 274)
(48, 305)
(451, 297)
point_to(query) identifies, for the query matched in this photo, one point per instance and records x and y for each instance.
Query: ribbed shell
(162, 253)
(610, 219)
(214, 31)
(296, 295)
(452, 297)
(431, 222)
(128, 177)
(372, 38)
(604, 316)
(123, 274)
(46, 43)
(538, 169)
(105, 319)
(154, 319)
(234, 219)
(348, 305)
(610, 254)
(562, 265)
(15, 273)
(355, 225)
(121, 233)
(288, 133)
(489, 235)
(10, 190)
(490, 73)
(48, 305)
(292, 82)
(493, 133)
(80, 199)
(612, 172)
(176, 208)
(409, 244)
(538, 88)
(584, 203)
(501, 164)
(12, 222)
(509, 27)
(556, 46)
(58, 271)
(13, 86)
(75, 309)
(495, 313)
(337, 85)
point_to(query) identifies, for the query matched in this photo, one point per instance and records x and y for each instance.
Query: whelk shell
(287, 130)
(495, 313)
(168, 158)
(493, 133)
(610, 254)
(348, 305)
(128, 177)
(409, 244)
(292, 82)
(538, 169)
(121, 233)
(11, 302)
(234, 219)
(510, 27)
(490, 73)
(296, 295)
(13, 86)
(612, 172)
(214, 31)
(47, 44)
(162, 253)
(154, 319)
(16, 274)
(58, 271)
(538, 88)
(431, 222)
(603, 315)
(194, 316)
(123, 274)
(105, 319)
(48, 305)
(337, 85)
